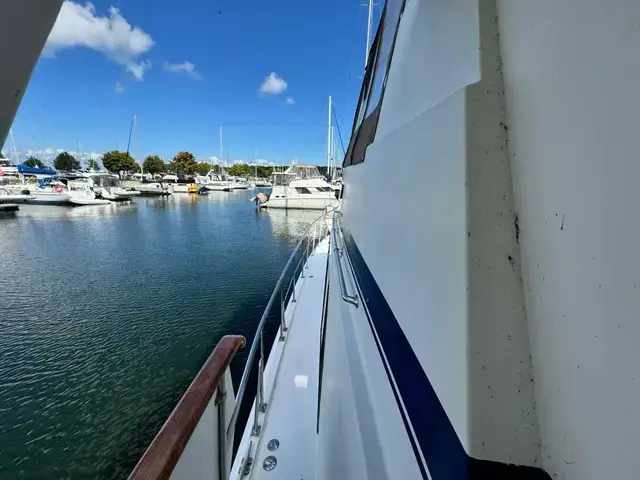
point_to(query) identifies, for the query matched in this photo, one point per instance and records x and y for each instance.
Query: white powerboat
(172, 182)
(109, 187)
(80, 191)
(239, 183)
(45, 191)
(8, 196)
(299, 187)
(7, 169)
(214, 182)
(153, 188)
(262, 182)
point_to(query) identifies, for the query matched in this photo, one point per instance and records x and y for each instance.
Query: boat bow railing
(313, 234)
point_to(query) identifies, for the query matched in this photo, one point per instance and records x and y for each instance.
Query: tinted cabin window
(302, 190)
(375, 79)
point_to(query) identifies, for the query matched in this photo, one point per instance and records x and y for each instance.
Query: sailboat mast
(221, 152)
(80, 157)
(133, 121)
(329, 131)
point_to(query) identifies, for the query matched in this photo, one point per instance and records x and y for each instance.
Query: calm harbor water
(107, 313)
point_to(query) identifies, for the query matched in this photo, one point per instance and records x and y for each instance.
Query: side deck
(284, 444)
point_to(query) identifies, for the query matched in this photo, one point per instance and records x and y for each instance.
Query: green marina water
(107, 313)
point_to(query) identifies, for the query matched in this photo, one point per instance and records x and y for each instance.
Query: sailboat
(216, 181)
(483, 326)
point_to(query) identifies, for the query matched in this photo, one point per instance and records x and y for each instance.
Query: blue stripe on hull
(443, 452)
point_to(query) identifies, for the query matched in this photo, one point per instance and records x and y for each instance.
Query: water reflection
(108, 311)
(291, 223)
(63, 212)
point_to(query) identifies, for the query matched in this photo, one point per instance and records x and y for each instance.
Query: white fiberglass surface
(291, 385)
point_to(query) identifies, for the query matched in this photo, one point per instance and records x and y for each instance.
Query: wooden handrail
(165, 450)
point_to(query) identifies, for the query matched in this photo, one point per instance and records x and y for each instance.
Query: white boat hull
(153, 189)
(316, 203)
(49, 198)
(117, 194)
(15, 198)
(289, 197)
(85, 197)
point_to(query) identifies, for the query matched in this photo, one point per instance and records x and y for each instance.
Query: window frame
(364, 131)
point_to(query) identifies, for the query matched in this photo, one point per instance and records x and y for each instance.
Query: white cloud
(80, 26)
(119, 88)
(47, 155)
(290, 101)
(264, 163)
(273, 84)
(186, 67)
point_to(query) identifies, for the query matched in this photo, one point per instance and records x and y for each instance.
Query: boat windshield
(105, 181)
(283, 179)
(304, 172)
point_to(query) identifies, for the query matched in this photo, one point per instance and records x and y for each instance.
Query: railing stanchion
(283, 327)
(306, 263)
(221, 394)
(262, 406)
(293, 281)
(255, 431)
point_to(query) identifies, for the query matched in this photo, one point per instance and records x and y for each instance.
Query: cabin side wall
(571, 72)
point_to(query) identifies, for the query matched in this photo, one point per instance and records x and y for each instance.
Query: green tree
(183, 162)
(238, 169)
(93, 164)
(116, 162)
(203, 168)
(154, 164)
(33, 162)
(65, 162)
(264, 172)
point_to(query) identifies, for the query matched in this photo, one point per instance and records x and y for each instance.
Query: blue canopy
(22, 168)
(43, 181)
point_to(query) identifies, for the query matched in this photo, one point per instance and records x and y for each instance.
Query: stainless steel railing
(313, 234)
(338, 247)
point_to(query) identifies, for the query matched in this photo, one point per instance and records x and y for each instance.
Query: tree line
(183, 163)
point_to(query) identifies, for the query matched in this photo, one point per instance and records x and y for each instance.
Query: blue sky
(186, 67)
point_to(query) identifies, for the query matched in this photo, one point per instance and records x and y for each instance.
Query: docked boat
(214, 182)
(262, 182)
(109, 187)
(7, 169)
(80, 190)
(239, 183)
(172, 182)
(9, 201)
(299, 187)
(9, 196)
(153, 188)
(44, 191)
